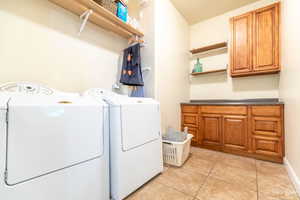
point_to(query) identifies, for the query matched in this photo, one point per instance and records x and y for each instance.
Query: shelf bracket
(84, 17)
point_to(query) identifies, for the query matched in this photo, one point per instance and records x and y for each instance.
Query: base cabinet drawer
(189, 109)
(190, 120)
(267, 146)
(229, 110)
(266, 126)
(271, 111)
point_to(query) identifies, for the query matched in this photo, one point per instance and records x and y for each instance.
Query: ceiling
(197, 10)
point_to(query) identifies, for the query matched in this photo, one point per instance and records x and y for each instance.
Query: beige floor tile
(238, 161)
(198, 165)
(270, 169)
(216, 189)
(276, 186)
(287, 197)
(158, 191)
(166, 167)
(205, 154)
(273, 181)
(235, 175)
(182, 180)
(230, 178)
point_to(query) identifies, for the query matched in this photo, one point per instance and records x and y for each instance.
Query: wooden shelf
(100, 17)
(208, 72)
(208, 48)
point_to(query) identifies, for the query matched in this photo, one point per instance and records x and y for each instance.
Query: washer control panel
(28, 88)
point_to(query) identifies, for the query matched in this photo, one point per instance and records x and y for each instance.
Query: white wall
(39, 43)
(171, 68)
(147, 22)
(290, 82)
(221, 85)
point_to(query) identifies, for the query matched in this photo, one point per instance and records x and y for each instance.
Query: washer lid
(56, 100)
(125, 100)
(140, 124)
(140, 101)
(117, 99)
(47, 134)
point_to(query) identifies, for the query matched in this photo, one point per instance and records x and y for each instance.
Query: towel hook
(85, 16)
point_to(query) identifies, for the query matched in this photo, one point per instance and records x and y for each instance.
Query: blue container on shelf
(122, 11)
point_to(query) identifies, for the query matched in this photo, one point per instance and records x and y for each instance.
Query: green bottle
(198, 66)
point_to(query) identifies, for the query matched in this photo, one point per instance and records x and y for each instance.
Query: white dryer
(53, 145)
(135, 141)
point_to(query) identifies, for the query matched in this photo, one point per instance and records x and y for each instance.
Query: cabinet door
(241, 44)
(266, 39)
(235, 134)
(211, 130)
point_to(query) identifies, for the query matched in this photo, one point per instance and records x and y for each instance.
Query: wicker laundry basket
(110, 5)
(176, 153)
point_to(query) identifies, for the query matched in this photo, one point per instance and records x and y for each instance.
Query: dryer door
(140, 124)
(47, 137)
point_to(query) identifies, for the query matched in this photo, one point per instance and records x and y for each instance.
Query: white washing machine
(53, 145)
(135, 141)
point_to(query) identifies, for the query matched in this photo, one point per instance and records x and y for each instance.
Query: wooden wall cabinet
(241, 44)
(250, 130)
(255, 42)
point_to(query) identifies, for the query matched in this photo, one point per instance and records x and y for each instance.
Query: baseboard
(295, 179)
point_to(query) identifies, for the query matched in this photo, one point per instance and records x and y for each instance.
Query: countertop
(235, 102)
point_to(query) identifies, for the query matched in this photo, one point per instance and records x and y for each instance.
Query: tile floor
(210, 175)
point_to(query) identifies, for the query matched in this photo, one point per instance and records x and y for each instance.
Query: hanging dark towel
(131, 69)
(137, 91)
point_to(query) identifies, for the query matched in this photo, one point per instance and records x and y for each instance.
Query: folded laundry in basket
(175, 136)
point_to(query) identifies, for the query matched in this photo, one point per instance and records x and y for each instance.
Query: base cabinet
(255, 131)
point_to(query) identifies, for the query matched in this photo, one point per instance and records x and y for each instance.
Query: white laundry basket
(176, 153)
